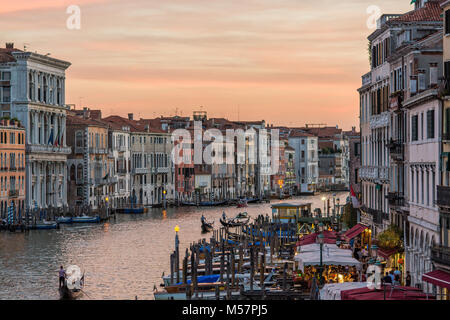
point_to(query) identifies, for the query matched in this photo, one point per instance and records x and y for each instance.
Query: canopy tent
(387, 292)
(386, 253)
(327, 247)
(332, 291)
(355, 231)
(439, 278)
(328, 237)
(331, 256)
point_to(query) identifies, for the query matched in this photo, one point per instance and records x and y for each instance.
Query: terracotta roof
(430, 12)
(135, 126)
(6, 56)
(75, 120)
(300, 134)
(323, 132)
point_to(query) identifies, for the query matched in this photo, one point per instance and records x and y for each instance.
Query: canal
(123, 258)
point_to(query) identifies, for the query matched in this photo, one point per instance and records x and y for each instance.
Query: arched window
(58, 92)
(45, 88)
(79, 139)
(72, 172)
(39, 97)
(30, 86)
(79, 173)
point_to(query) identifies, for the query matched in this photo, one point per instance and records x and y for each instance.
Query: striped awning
(439, 278)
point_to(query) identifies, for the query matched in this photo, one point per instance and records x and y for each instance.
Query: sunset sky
(289, 62)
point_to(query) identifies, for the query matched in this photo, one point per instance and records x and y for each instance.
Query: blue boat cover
(205, 279)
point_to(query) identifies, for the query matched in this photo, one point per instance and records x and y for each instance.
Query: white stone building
(37, 99)
(306, 160)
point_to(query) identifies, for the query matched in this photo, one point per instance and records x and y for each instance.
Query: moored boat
(86, 219)
(64, 220)
(233, 223)
(44, 225)
(242, 215)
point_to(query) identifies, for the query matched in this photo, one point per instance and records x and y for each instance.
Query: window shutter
(414, 130)
(430, 124)
(447, 121)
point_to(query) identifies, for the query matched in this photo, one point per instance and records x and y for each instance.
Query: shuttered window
(447, 122)
(414, 128)
(430, 124)
(447, 22)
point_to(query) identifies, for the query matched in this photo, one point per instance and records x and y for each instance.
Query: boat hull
(86, 219)
(45, 226)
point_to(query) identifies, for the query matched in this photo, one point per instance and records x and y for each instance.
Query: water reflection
(123, 258)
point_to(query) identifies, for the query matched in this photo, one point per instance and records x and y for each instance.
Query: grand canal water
(122, 258)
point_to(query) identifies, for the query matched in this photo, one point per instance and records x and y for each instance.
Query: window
(414, 128)
(6, 94)
(430, 124)
(447, 22)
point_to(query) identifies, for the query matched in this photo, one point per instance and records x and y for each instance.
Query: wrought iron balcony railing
(441, 255)
(443, 196)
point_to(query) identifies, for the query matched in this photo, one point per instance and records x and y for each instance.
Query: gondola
(232, 223)
(242, 215)
(45, 225)
(206, 226)
(74, 283)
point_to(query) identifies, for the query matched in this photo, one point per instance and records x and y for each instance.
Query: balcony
(13, 193)
(446, 137)
(98, 151)
(443, 196)
(396, 199)
(42, 148)
(377, 215)
(396, 150)
(122, 148)
(163, 170)
(379, 120)
(374, 173)
(141, 170)
(441, 255)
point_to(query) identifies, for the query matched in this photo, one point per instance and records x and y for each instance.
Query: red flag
(355, 201)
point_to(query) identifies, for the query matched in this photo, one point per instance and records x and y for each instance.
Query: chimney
(85, 113)
(130, 116)
(10, 45)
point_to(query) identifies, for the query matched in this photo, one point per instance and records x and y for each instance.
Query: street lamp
(320, 242)
(177, 253)
(324, 205)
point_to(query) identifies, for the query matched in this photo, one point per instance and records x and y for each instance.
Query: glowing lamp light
(177, 228)
(107, 199)
(164, 191)
(323, 198)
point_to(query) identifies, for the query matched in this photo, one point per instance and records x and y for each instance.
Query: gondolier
(62, 276)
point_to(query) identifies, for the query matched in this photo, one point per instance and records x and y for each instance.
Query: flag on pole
(50, 139)
(56, 139)
(413, 1)
(355, 201)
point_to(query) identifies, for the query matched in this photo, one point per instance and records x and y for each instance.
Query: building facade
(35, 94)
(12, 169)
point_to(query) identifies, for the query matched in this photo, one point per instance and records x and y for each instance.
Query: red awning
(438, 277)
(328, 237)
(398, 293)
(386, 253)
(356, 230)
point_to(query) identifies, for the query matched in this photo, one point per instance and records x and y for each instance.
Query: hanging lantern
(401, 261)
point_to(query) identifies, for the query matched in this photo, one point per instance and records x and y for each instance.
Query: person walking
(62, 276)
(397, 276)
(408, 279)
